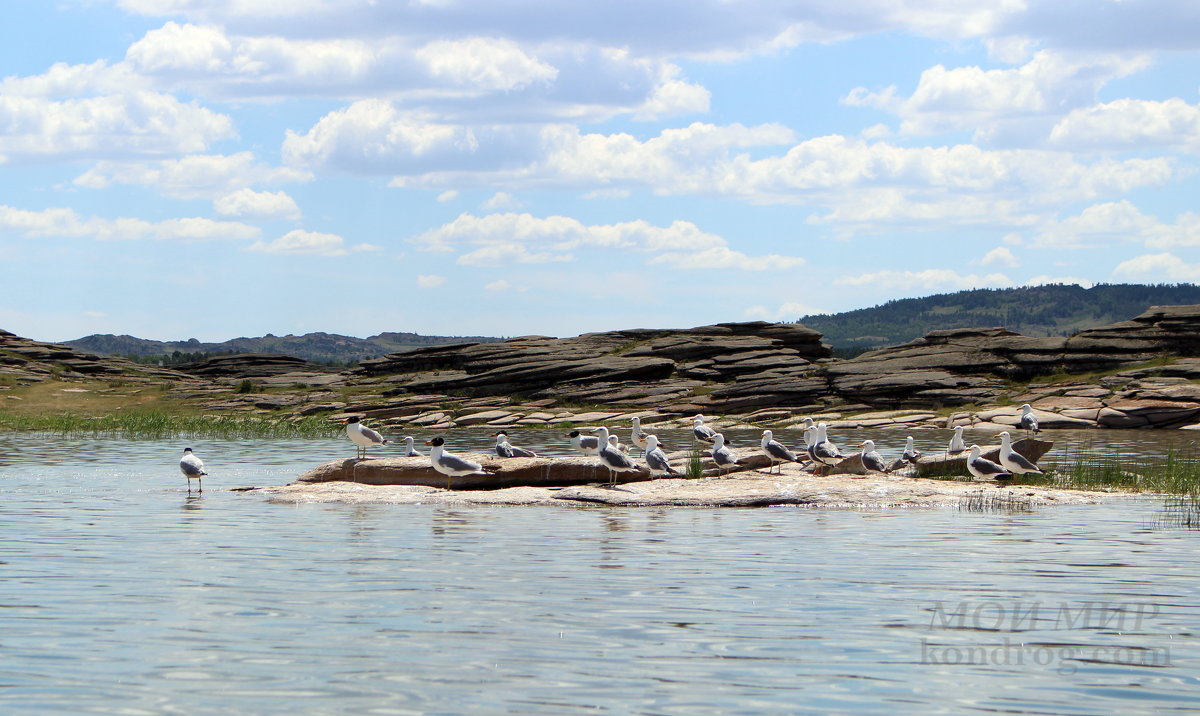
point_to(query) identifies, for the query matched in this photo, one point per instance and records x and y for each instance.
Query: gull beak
(428, 442)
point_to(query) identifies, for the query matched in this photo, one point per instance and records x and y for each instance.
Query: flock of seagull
(615, 456)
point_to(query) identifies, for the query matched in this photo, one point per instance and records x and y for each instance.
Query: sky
(174, 169)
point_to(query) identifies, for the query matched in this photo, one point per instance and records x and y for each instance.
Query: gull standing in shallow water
(775, 451)
(615, 460)
(504, 449)
(362, 436)
(192, 468)
(451, 465)
(656, 459)
(985, 469)
(1013, 461)
(410, 449)
(871, 459)
(1029, 421)
(956, 441)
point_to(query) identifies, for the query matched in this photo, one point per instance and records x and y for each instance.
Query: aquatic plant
(158, 424)
(1173, 472)
(695, 467)
(994, 500)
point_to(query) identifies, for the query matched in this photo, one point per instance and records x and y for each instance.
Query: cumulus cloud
(1130, 124)
(1158, 267)
(430, 280)
(788, 311)
(1007, 106)
(133, 124)
(309, 243)
(497, 239)
(200, 176)
(257, 204)
(448, 195)
(1001, 255)
(860, 183)
(1119, 221)
(66, 223)
(939, 280)
(501, 200)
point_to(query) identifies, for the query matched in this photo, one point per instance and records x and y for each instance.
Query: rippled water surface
(123, 594)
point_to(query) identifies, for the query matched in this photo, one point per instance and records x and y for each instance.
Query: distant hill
(1051, 310)
(316, 347)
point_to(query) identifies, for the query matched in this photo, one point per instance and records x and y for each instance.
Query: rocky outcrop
(249, 365)
(628, 367)
(26, 360)
(961, 366)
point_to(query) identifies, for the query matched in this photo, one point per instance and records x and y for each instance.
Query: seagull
(586, 444)
(504, 449)
(1013, 461)
(410, 449)
(911, 454)
(614, 441)
(637, 437)
(823, 450)
(700, 431)
(1029, 421)
(192, 467)
(956, 442)
(983, 468)
(615, 460)
(775, 451)
(362, 436)
(722, 455)
(656, 459)
(451, 465)
(871, 459)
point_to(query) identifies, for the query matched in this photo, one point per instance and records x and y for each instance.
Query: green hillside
(1051, 310)
(317, 347)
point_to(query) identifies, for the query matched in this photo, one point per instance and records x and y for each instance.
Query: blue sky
(212, 169)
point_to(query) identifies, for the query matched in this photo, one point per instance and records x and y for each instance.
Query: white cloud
(257, 204)
(310, 243)
(501, 200)
(1001, 255)
(1130, 124)
(498, 285)
(66, 223)
(430, 280)
(1157, 268)
(497, 239)
(1046, 279)
(723, 257)
(134, 124)
(201, 176)
(447, 196)
(863, 185)
(1008, 106)
(939, 280)
(788, 311)
(1119, 221)
(484, 63)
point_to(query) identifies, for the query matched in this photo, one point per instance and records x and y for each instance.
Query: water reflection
(119, 596)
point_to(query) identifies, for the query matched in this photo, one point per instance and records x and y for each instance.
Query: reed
(156, 424)
(695, 466)
(1174, 472)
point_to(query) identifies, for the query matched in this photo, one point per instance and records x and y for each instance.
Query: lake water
(123, 594)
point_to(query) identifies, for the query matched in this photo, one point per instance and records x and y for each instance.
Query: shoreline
(791, 488)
